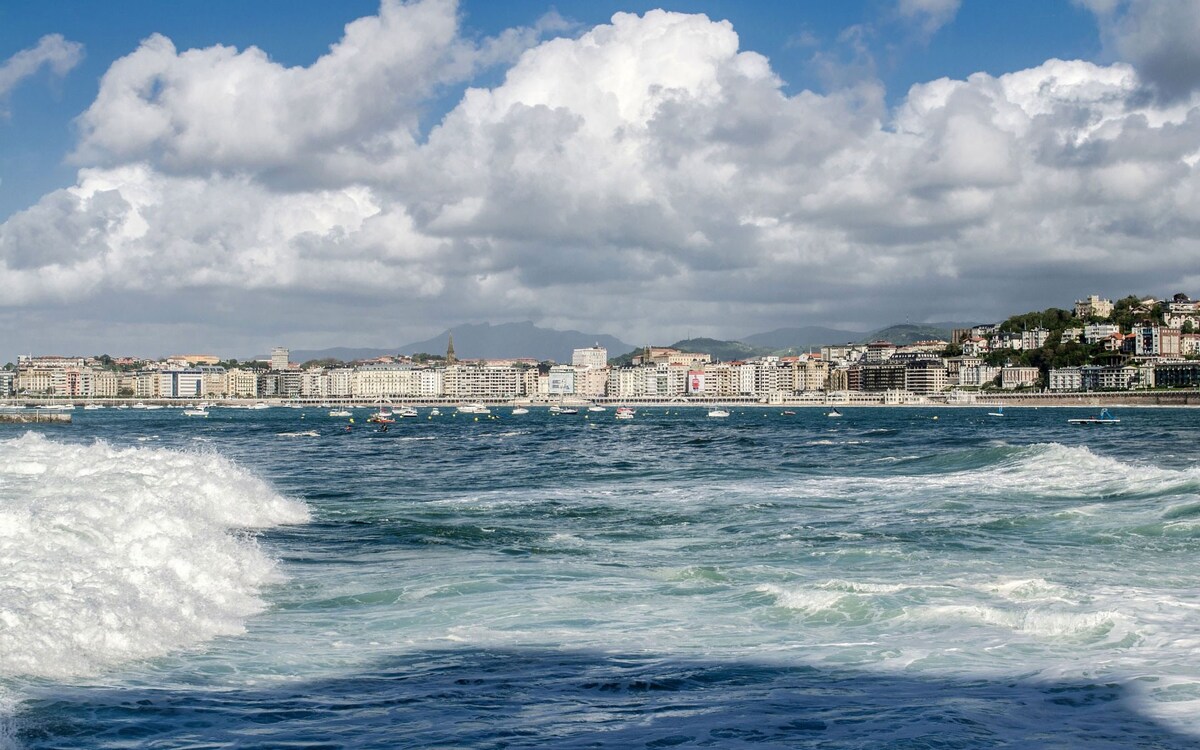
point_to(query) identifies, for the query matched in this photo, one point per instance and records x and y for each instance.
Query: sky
(226, 176)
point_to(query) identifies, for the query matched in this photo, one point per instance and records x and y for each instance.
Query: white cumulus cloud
(648, 177)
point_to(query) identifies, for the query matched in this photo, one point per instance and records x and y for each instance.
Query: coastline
(1126, 399)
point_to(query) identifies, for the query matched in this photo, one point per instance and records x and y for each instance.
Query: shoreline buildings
(1119, 346)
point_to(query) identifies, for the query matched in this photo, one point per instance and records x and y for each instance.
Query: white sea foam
(110, 555)
(1038, 622)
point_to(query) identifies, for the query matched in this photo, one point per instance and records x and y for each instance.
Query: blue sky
(233, 176)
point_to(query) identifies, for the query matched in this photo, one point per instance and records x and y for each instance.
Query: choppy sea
(902, 578)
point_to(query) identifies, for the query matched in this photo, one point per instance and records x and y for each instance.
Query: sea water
(903, 577)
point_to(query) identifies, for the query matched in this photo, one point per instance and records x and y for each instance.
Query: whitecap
(149, 555)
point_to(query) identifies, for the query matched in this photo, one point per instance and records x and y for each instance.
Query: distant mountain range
(483, 341)
(486, 341)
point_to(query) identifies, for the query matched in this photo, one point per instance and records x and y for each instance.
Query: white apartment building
(1034, 339)
(279, 358)
(314, 383)
(386, 381)
(1066, 379)
(341, 382)
(180, 383)
(1094, 333)
(472, 382)
(977, 376)
(627, 382)
(594, 357)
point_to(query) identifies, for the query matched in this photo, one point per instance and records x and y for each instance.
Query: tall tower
(450, 358)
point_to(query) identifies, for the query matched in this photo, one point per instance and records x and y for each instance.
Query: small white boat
(150, 407)
(341, 413)
(260, 405)
(435, 412)
(1104, 417)
(92, 407)
(567, 410)
(833, 413)
(139, 405)
(405, 411)
(519, 411)
(624, 412)
(476, 408)
(718, 413)
(195, 412)
(596, 408)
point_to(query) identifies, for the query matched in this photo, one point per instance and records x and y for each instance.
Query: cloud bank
(648, 178)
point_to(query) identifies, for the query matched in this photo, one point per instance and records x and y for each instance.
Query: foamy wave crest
(110, 555)
(1076, 470)
(1046, 623)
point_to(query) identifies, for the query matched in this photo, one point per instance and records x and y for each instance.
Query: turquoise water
(887, 579)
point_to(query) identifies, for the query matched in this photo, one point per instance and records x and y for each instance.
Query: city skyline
(650, 174)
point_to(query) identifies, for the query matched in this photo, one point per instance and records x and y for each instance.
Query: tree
(1188, 326)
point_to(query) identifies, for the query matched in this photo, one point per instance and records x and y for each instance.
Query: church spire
(450, 358)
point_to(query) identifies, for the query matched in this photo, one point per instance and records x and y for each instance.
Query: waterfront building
(1108, 378)
(883, 377)
(268, 384)
(560, 381)
(386, 381)
(1093, 307)
(279, 358)
(591, 381)
(626, 382)
(809, 374)
(147, 384)
(595, 357)
(1177, 375)
(180, 383)
(341, 382)
(1018, 377)
(925, 376)
(289, 383)
(474, 382)
(241, 383)
(977, 375)
(8, 383)
(314, 383)
(1066, 379)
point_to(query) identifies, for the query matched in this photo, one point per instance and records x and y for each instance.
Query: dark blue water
(915, 578)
